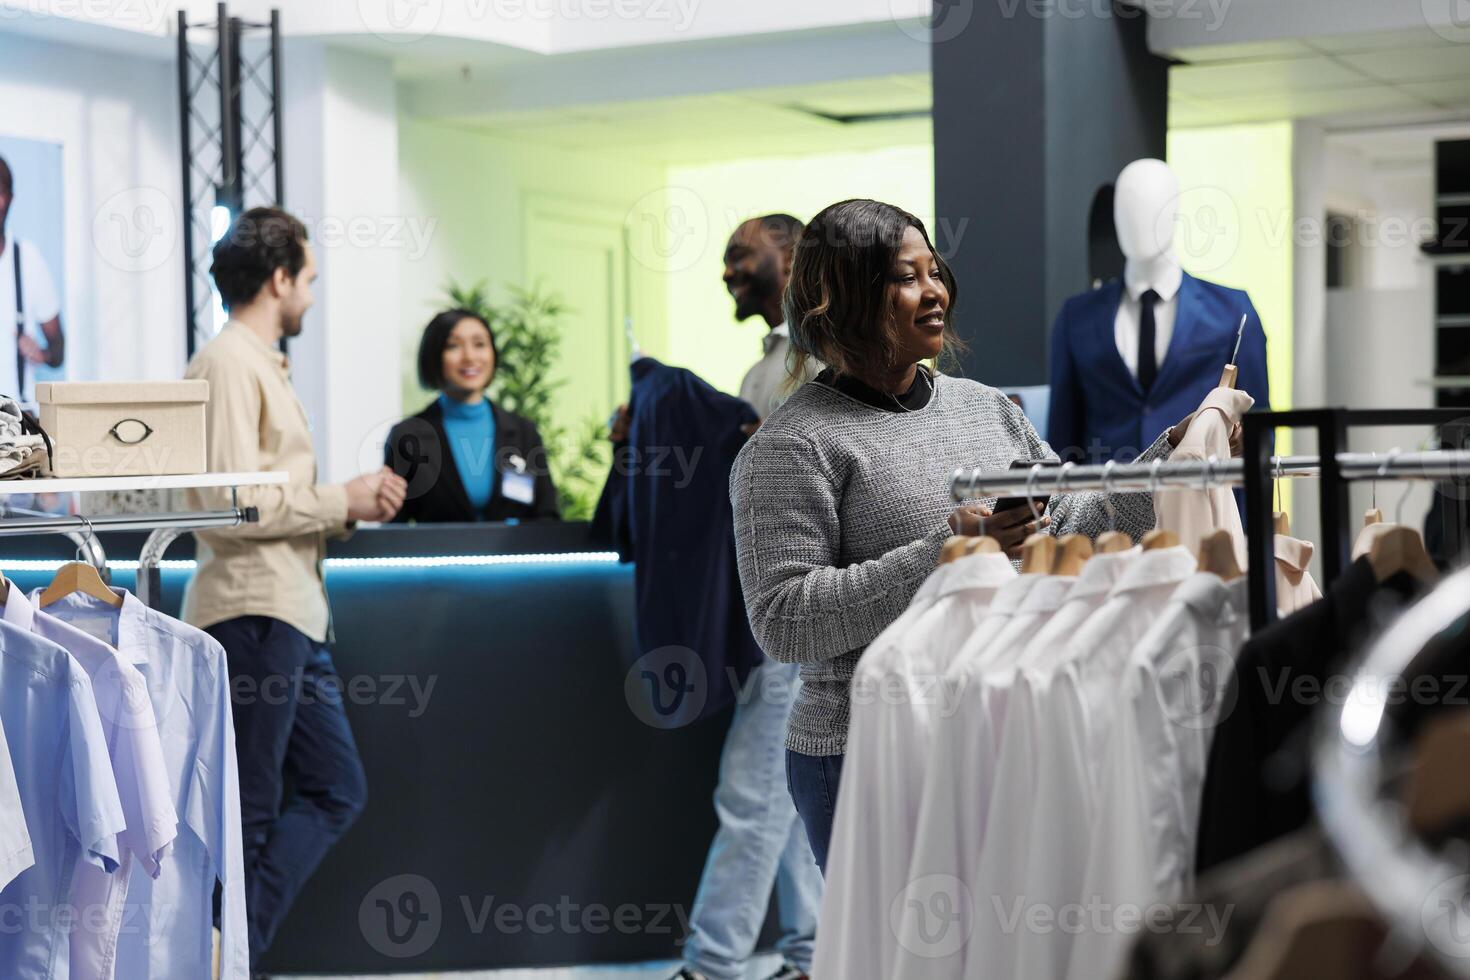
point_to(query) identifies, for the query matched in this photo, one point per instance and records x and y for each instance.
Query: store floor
(761, 966)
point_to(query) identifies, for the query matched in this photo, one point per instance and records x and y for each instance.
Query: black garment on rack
(1194, 946)
(1208, 938)
(1256, 782)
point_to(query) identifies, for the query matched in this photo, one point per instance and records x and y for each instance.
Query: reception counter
(519, 813)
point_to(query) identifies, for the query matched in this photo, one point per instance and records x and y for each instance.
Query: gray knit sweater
(840, 513)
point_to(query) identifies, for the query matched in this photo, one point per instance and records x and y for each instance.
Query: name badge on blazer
(515, 483)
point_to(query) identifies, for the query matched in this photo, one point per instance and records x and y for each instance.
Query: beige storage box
(128, 428)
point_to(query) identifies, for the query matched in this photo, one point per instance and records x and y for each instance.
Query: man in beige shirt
(260, 589)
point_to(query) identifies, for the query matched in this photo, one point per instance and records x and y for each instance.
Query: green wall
(1236, 218)
(703, 334)
(478, 189)
(1235, 228)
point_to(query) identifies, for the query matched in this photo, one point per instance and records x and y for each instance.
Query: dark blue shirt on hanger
(666, 508)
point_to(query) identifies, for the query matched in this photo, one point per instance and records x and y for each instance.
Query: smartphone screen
(1011, 503)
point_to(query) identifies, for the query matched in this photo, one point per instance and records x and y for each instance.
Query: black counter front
(519, 812)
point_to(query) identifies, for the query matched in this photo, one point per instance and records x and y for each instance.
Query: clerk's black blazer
(418, 450)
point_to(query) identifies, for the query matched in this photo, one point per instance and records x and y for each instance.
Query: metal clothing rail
(1335, 469)
(1332, 425)
(165, 527)
(1164, 475)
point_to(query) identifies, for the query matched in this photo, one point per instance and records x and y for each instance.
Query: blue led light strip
(443, 561)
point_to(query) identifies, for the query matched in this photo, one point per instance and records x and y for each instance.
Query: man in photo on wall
(28, 302)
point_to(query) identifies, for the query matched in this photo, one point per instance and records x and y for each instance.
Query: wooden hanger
(1038, 554)
(1110, 542)
(1401, 549)
(1317, 929)
(1073, 550)
(1159, 538)
(1283, 523)
(1228, 376)
(1438, 794)
(1217, 554)
(983, 545)
(954, 547)
(1373, 516)
(81, 577)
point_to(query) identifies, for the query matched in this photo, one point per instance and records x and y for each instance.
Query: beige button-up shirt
(764, 385)
(256, 422)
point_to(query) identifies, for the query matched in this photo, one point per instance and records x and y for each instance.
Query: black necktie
(1148, 365)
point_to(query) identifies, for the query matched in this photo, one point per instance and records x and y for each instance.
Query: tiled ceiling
(1341, 80)
(778, 121)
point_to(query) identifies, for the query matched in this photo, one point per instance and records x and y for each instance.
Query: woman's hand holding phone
(1009, 527)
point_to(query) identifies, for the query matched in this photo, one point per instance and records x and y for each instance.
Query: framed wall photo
(33, 259)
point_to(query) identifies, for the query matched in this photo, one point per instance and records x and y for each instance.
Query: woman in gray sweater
(841, 497)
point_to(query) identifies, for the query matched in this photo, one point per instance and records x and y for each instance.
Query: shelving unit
(165, 528)
(1450, 253)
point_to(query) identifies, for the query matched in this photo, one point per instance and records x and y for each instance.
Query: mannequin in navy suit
(1105, 403)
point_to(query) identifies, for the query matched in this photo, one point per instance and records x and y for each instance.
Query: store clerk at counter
(495, 465)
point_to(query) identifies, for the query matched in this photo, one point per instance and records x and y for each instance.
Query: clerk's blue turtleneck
(471, 431)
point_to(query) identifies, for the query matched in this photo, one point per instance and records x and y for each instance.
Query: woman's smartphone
(1011, 503)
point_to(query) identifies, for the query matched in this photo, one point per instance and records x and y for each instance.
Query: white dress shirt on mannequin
(1164, 281)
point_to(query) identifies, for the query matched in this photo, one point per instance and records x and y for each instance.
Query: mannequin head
(1145, 204)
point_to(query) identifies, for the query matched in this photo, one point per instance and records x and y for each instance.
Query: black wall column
(1037, 104)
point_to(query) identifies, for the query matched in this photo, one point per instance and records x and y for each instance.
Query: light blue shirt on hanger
(64, 777)
(167, 922)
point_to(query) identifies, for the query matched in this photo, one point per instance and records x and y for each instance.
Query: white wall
(1371, 344)
(117, 120)
(341, 155)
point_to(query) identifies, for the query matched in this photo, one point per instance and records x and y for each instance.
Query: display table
(538, 820)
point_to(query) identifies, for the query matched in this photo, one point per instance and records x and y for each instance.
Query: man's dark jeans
(289, 720)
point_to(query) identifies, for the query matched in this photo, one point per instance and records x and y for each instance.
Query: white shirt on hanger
(1142, 842)
(848, 854)
(897, 695)
(1088, 593)
(1130, 310)
(1004, 841)
(950, 819)
(1047, 699)
(1095, 655)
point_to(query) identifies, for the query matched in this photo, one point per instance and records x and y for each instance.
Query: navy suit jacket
(666, 507)
(1098, 411)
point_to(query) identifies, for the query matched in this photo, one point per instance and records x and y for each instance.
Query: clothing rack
(164, 528)
(1421, 893)
(1332, 425)
(1255, 471)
